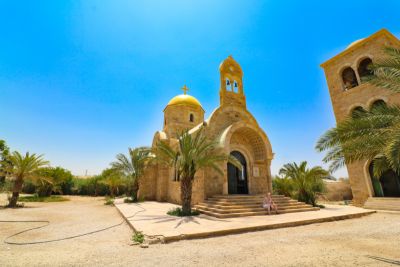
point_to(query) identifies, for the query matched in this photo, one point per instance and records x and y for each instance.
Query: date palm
(19, 168)
(307, 183)
(369, 135)
(133, 166)
(192, 153)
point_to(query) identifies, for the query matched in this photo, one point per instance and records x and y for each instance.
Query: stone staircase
(383, 203)
(228, 206)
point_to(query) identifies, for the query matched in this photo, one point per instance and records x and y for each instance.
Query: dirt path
(344, 243)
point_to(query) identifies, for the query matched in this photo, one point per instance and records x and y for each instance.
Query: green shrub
(28, 187)
(109, 201)
(138, 237)
(283, 186)
(36, 198)
(178, 212)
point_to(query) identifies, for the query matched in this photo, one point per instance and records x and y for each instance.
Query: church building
(349, 92)
(237, 133)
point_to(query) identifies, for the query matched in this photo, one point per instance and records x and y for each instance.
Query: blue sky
(80, 81)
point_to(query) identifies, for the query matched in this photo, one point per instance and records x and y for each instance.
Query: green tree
(95, 182)
(132, 167)
(49, 180)
(283, 186)
(307, 183)
(192, 153)
(22, 167)
(369, 135)
(4, 152)
(113, 180)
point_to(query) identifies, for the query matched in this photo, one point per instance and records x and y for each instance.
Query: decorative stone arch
(260, 143)
(374, 99)
(355, 106)
(215, 118)
(257, 151)
(361, 58)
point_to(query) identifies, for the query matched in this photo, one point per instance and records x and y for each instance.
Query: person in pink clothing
(269, 204)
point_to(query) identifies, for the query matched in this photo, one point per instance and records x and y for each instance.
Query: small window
(235, 87)
(191, 117)
(228, 85)
(349, 78)
(364, 69)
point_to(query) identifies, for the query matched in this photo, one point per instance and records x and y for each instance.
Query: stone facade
(234, 128)
(344, 74)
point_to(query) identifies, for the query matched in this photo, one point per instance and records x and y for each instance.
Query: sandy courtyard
(368, 241)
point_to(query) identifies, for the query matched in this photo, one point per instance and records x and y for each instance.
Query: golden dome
(354, 43)
(184, 100)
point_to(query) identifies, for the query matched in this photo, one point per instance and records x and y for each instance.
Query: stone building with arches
(237, 133)
(345, 74)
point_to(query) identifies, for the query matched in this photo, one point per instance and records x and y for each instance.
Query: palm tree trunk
(186, 195)
(135, 190)
(15, 194)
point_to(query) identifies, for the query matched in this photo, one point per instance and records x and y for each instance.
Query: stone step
(255, 205)
(383, 203)
(255, 213)
(230, 211)
(245, 203)
(382, 207)
(245, 196)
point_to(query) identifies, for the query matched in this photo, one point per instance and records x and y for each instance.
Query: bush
(178, 212)
(109, 201)
(282, 186)
(138, 237)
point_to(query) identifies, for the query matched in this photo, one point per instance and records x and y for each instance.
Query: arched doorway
(388, 185)
(237, 179)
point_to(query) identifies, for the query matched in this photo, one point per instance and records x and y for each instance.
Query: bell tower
(231, 88)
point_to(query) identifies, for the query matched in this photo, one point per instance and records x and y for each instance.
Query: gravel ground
(373, 240)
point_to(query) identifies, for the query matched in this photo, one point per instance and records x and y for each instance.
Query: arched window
(191, 117)
(349, 78)
(235, 87)
(228, 85)
(364, 69)
(357, 112)
(377, 104)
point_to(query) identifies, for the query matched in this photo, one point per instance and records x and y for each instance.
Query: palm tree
(133, 166)
(192, 153)
(307, 182)
(20, 168)
(113, 180)
(386, 71)
(369, 135)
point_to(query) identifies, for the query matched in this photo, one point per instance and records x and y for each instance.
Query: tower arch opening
(364, 70)
(349, 78)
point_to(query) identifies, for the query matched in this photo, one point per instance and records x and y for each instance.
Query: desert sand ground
(368, 241)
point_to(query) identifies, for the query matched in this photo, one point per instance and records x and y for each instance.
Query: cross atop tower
(185, 89)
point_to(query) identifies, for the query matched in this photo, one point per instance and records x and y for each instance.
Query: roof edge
(382, 32)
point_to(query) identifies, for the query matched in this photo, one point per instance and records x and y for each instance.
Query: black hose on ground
(46, 223)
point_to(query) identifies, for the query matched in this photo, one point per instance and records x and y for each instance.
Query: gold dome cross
(185, 89)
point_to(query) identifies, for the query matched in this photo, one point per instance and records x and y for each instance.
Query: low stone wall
(337, 191)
